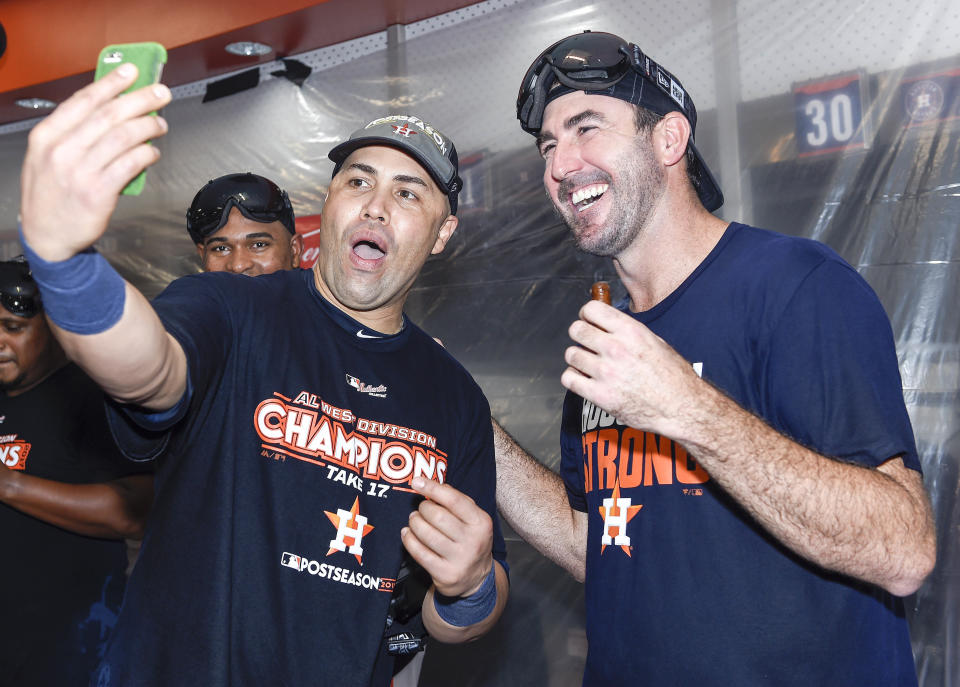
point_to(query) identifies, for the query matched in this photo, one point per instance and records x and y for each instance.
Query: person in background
(244, 223)
(68, 499)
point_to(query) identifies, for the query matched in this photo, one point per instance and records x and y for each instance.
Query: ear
(675, 132)
(296, 249)
(200, 252)
(446, 231)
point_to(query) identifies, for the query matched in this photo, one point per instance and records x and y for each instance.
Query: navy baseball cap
(605, 64)
(428, 146)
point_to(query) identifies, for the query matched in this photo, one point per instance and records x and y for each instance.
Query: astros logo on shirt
(351, 529)
(616, 513)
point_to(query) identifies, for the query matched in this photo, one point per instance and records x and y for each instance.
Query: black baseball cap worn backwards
(605, 64)
(256, 197)
(18, 291)
(428, 146)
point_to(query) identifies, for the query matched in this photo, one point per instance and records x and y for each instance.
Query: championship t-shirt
(274, 544)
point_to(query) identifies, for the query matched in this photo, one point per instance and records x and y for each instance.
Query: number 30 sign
(830, 115)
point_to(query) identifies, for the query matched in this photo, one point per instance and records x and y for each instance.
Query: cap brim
(709, 192)
(341, 152)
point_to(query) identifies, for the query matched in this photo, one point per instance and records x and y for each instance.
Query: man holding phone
(310, 436)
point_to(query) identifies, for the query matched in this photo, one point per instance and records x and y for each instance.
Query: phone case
(149, 58)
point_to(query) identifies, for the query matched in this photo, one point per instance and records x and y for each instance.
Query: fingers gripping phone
(149, 59)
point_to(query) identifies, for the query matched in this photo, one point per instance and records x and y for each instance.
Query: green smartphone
(149, 58)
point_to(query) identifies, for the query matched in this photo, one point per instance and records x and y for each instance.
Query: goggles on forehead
(256, 197)
(604, 62)
(18, 292)
(588, 61)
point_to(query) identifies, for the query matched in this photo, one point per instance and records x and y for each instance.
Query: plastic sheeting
(510, 282)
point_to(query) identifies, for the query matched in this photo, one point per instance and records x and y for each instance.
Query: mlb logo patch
(290, 560)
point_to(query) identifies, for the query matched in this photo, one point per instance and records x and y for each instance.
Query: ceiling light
(36, 103)
(248, 49)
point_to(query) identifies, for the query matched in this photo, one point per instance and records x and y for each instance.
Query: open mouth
(368, 249)
(584, 197)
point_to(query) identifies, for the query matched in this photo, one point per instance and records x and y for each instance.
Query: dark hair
(645, 120)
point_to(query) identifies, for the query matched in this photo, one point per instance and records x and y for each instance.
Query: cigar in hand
(600, 291)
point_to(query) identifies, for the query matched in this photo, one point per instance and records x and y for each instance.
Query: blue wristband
(469, 610)
(82, 294)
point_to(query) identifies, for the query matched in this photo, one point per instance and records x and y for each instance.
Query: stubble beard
(640, 185)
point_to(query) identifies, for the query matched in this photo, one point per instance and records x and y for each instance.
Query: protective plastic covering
(833, 120)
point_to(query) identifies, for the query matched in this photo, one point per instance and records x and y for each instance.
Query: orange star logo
(351, 529)
(616, 514)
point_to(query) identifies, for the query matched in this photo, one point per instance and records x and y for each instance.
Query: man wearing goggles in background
(68, 500)
(717, 548)
(313, 431)
(243, 223)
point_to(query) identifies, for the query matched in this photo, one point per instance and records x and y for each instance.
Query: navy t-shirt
(682, 587)
(61, 591)
(274, 542)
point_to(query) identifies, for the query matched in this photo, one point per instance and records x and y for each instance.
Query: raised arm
(871, 524)
(78, 159)
(111, 510)
(532, 498)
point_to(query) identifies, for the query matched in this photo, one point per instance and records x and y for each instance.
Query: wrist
(8, 483)
(480, 582)
(52, 250)
(706, 420)
(82, 294)
(472, 608)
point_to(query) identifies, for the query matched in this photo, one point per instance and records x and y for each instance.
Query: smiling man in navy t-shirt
(740, 486)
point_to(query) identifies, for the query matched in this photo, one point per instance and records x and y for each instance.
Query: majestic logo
(616, 513)
(380, 390)
(14, 453)
(404, 130)
(351, 529)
